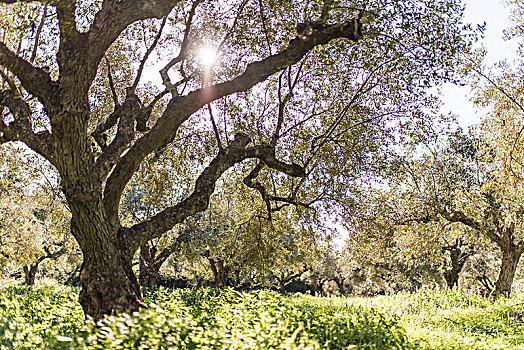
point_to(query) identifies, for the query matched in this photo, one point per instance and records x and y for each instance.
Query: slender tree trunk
(452, 274)
(220, 271)
(30, 273)
(149, 270)
(510, 260)
(340, 284)
(282, 286)
(221, 279)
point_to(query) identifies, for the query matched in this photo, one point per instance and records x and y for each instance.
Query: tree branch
(198, 200)
(126, 114)
(215, 129)
(37, 35)
(149, 51)
(21, 130)
(166, 253)
(250, 182)
(35, 80)
(179, 109)
(182, 53)
(81, 53)
(458, 216)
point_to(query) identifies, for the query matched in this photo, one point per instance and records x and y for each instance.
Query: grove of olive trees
(146, 108)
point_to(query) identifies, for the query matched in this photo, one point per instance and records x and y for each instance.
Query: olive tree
(366, 62)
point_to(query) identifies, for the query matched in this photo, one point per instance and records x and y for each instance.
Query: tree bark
(148, 271)
(108, 282)
(222, 276)
(107, 279)
(30, 273)
(458, 260)
(282, 286)
(339, 280)
(510, 259)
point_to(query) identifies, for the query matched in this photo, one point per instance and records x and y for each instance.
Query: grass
(454, 320)
(225, 319)
(193, 319)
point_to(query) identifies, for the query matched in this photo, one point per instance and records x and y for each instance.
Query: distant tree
(289, 254)
(34, 225)
(463, 179)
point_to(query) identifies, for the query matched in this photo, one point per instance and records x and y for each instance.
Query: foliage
(31, 317)
(217, 319)
(34, 217)
(196, 319)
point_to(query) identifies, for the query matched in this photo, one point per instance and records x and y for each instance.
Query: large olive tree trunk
(108, 282)
(106, 276)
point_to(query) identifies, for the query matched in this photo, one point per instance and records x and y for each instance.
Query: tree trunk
(222, 275)
(510, 260)
(340, 284)
(107, 279)
(148, 271)
(458, 260)
(320, 287)
(451, 277)
(30, 274)
(220, 271)
(282, 286)
(108, 282)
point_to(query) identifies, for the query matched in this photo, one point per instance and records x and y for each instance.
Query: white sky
(496, 15)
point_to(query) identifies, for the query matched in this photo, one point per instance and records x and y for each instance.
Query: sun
(207, 56)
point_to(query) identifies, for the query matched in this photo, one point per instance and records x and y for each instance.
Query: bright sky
(496, 15)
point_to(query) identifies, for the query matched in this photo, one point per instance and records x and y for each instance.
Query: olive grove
(305, 97)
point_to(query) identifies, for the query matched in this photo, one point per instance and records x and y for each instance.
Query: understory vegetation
(51, 318)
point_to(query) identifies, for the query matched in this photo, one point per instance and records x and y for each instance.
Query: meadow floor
(50, 317)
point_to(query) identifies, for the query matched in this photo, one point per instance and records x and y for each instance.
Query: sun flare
(207, 56)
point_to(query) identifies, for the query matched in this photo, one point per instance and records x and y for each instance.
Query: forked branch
(198, 200)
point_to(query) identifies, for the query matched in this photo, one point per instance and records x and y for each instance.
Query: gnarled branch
(20, 129)
(459, 216)
(35, 80)
(180, 109)
(198, 200)
(114, 17)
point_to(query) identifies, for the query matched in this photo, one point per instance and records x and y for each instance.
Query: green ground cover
(453, 320)
(213, 319)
